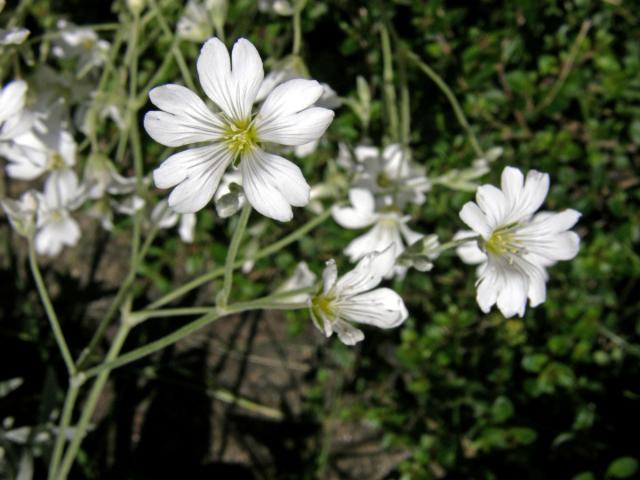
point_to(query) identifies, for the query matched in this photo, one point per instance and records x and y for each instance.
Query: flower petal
(469, 252)
(12, 99)
(233, 92)
(187, 227)
(512, 297)
(382, 308)
(475, 219)
(361, 214)
(512, 182)
(488, 287)
(295, 129)
(377, 239)
(273, 184)
(535, 190)
(188, 163)
(367, 273)
(290, 97)
(50, 239)
(197, 172)
(329, 275)
(247, 74)
(493, 203)
(347, 333)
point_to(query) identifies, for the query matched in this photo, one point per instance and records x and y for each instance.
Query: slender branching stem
(389, 86)
(65, 420)
(51, 313)
(457, 109)
(90, 404)
(229, 266)
(265, 252)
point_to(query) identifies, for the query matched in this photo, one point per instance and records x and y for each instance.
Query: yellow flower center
(240, 137)
(56, 161)
(56, 215)
(503, 241)
(88, 43)
(384, 181)
(322, 306)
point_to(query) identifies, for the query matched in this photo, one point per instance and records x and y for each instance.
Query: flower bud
(22, 213)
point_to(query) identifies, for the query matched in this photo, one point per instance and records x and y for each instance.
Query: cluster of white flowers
(37, 139)
(237, 137)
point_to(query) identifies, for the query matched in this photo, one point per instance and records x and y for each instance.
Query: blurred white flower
(229, 198)
(13, 36)
(391, 175)
(55, 225)
(389, 227)
(47, 146)
(103, 184)
(279, 7)
(80, 44)
(194, 24)
(22, 212)
(165, 218)
(271, 183)
(301, 278)
(352, 298)
(512, 245)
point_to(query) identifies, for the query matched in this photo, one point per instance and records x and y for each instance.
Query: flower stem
(389, 87)
(265, 252)
(65, 420)
(567, 66)
(51, 313)
(117, 301)
(175, 50)
(462, 119)
(232, 253)
(297, 28)
(265, 303)
(90, 404)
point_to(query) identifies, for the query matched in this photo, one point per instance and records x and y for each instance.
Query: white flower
(194, 24)
(391, 175)
(81, 44)
(352, 298)
(515, 246)
(389, 227)
(271, 183)
(103, 182)
(13, 36)
(279, 7)
(35, 152)
(164, 217)
(56, 227)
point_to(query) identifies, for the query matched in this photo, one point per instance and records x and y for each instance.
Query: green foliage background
(457, 393)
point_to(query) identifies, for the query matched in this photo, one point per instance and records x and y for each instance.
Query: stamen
(240, 137)
(323, 306)
(504, 241)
